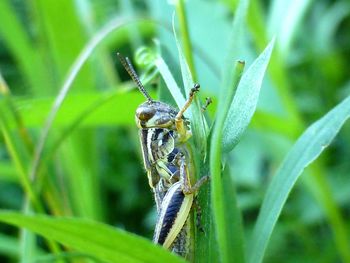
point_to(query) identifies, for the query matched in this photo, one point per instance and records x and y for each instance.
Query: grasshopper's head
(155, 114)
(150, 114)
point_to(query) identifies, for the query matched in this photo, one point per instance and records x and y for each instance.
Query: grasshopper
(164, 132)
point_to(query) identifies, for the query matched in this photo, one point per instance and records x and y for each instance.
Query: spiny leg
(179, 121)
(188, 102)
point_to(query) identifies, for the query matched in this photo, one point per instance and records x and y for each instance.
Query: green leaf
(307, 148)
(95, 239)
(246, 98)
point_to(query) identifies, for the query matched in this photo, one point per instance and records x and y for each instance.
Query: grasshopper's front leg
(185, 134)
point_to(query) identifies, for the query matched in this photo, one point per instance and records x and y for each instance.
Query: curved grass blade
(92, 110)
(307, 148)
(170, 82)
(76, 67)
(245, 100)
(95, 239)
(235, 47)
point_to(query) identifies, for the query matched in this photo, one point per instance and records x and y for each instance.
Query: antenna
(130, 69)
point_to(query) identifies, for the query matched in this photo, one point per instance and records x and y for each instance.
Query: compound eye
(145, 113)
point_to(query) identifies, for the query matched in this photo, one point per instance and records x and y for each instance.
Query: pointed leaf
(246, 98)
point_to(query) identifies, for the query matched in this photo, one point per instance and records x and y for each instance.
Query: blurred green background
(91, 163)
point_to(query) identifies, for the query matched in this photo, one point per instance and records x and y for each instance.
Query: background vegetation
(69, 144)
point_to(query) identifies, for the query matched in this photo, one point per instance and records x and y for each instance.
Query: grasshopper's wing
(174, 211)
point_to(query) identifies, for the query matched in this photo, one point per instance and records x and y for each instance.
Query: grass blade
(307, 148)
(92, 110)
(235, 46)
(95, 239)
(186, 39)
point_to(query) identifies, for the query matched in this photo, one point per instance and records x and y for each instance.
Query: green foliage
(70, 162)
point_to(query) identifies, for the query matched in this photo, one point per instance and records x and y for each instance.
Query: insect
(164, 132)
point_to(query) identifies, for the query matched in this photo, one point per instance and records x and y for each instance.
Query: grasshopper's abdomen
(173, 224)
(167, 217)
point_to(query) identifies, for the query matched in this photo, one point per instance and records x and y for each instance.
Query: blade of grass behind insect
(135, 39)
(98, 240)
(16, 39)
(325, 32)
(307, 148)
(20, 151)
(170, 82)
(198, 122)
(278, 73)
(234, 51)
(77, 65)
(118, 101)
(16, 148)
(284, 19)
(186, 39)
(246, 98)
(95, 108)
(64, 46)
